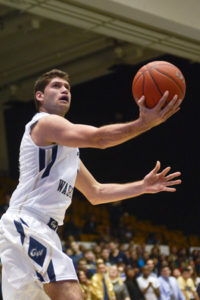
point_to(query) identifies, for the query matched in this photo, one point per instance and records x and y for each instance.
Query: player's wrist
(146, 188)
(141, 187)
(144, 124)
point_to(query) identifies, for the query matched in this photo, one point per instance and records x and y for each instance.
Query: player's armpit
(87, 184)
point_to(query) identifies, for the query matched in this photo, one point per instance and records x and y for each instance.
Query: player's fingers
(173, 182)
(157, 167)
(177, 103)
(167, 189)
(162, 101)
(173, 175)
(164, 172)
(171, 106)
(141, 101)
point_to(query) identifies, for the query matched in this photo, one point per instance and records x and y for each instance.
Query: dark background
(109, 100)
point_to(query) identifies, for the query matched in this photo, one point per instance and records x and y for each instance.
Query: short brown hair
(44, 80)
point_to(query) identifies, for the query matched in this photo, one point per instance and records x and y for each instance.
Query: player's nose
(64, 90)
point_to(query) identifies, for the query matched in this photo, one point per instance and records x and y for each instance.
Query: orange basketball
(154, 78)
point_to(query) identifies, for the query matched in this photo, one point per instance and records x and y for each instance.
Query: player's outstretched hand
(160, 113)
(155, 182)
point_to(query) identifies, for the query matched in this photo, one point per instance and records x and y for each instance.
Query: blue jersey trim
(48, 168)
(51, 272)
(20, 229)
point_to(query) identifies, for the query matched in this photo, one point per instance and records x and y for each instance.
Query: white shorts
(31, 255)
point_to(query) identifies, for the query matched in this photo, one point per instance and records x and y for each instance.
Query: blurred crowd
(112, 270)
(113, 259)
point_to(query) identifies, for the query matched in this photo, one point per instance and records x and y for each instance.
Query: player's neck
(42, 109)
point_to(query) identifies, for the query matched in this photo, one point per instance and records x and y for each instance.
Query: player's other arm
(55, 129)
(98, 193)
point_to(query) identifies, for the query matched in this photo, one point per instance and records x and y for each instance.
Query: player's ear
(39, 96)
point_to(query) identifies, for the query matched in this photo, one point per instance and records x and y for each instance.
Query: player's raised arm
(153, 182)
(56, 129)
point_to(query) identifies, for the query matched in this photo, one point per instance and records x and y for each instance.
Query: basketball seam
(171, 79)
(154, 83)
(137, 79)
(143, 83)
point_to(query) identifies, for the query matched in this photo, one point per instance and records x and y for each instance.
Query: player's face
(56, 97)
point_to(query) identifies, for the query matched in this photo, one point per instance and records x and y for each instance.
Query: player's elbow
(103, 144)
(94, 200)
(94, 196)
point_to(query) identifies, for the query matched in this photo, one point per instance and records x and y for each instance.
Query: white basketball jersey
(47, 176)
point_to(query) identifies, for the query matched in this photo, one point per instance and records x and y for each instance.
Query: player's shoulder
(49, 117)
(49, 120)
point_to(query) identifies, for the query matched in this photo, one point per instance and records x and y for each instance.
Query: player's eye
(56, 85)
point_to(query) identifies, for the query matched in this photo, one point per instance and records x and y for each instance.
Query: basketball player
(34, 266)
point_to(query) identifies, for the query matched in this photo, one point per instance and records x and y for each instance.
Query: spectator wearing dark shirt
(131, 283)
(116, 256)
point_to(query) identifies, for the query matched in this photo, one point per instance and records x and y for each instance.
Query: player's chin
(62, 110)
(66, 109)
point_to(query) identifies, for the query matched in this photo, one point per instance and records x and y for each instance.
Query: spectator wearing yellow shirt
(101, 285)
(187, 286)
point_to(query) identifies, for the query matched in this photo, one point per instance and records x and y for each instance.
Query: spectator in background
(105, 254)
(145, 256)
(150, 264)
(90, 257)
(193, 274)
(155, 252)
(182, 257)
(97, 250)
(101, 285)
(140, 250)
(187, 286)
(171, 263)
(149, 285)
(132, 285)
(169, 289)
(85, 284)
(76, 253)
(120, 289)
(82, 266)
(141, 262)
(173, 253)
(121, 269)
(116, 256)
(133, 260)
(176, 273)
